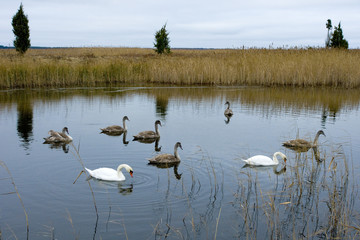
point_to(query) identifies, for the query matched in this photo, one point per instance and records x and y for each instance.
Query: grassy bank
(94, 66)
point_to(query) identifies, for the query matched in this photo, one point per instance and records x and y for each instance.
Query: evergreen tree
(328, 38)
(337, 40)
(162, 41)
(21, 30)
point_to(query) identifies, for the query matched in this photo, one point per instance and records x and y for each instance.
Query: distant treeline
(5, 47)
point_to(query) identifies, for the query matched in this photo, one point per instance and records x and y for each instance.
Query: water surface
(209, 194)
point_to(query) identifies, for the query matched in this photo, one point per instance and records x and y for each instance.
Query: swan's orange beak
(285, 160)
(131, 173)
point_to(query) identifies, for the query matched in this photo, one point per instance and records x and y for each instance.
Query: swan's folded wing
(163, 158)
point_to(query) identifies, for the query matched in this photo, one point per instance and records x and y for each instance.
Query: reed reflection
(162, 103)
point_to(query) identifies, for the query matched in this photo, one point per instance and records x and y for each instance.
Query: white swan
(261, 160)
(109, 174)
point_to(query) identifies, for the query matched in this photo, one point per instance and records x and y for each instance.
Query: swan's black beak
(131, 173)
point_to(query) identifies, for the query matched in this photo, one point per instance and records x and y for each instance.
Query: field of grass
(106, 66)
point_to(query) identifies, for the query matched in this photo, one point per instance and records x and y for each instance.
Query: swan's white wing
(260, 160)
(107, 174)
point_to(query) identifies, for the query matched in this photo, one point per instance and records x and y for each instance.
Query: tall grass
(314, 199)
(94, 66)
(2, 164)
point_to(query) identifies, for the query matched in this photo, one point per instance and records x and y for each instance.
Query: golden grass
(100, 66)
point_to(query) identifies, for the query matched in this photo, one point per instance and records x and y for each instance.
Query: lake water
(209, 195)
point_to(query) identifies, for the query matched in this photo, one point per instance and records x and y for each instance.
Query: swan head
(157, 122)
(178, 144)
(126, 118)
(321, 132)
(127, 168)
(281, 155)
(65, 129)
(227, 102)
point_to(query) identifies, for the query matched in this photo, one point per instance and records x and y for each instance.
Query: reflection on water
(161, 106)
(123, 187)
(169, 165)
(25, 122)
(227, 121)
(274, 168)
(58, 145)
(124, 135)
(209, 195)
(149, 141)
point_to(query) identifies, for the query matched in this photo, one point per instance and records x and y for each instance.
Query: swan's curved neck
(276, 161)
(124, 124)
(119, 169)
(228, 105)
(316, 138)
(157, 129)
(176, 154)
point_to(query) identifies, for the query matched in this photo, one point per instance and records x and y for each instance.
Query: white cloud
(230, 23)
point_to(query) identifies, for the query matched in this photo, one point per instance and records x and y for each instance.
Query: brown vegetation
(104, 66)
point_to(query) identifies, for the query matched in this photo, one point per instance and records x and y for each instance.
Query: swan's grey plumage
(116, 129)
(56, 137)
(147, 135)
(167, 158)
(228, 112)
(303, 144)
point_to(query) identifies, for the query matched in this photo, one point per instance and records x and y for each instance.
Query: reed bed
(313, 200)
(106, 66)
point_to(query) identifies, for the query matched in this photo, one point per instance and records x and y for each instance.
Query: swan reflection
(266, 168)
(169, 165)
(123, 188)
(149, 141)
(227, 121)
(58, 145)
(113, 134)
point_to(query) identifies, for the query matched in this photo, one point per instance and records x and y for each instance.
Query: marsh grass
(2, 164)
(99, 66)
(311, 200)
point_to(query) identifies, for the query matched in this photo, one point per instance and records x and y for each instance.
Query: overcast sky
(191, 23)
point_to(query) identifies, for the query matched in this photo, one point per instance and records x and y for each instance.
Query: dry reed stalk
(18, 194)
(91, 66)
(78, 157)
